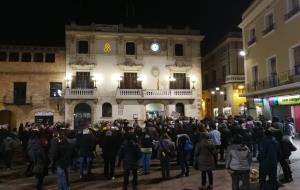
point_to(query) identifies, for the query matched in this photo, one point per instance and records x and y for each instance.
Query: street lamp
(193, 81)
(242, 53)
(95, 79)
(67, 79)
(120, 78)
(171, 78)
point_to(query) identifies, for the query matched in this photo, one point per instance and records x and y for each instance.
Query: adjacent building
(132, 73)
(32, 83)
(223, 78)
(272, 62)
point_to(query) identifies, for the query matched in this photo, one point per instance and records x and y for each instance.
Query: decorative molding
(130, 65)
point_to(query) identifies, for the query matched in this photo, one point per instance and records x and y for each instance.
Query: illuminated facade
(32, 83)
(132, 73)
(223, 78)
(272, 62)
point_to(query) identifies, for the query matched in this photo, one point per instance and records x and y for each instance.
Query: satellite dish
(155, 71)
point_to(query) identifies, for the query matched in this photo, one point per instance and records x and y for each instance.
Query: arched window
(106, 110)
(180, 108)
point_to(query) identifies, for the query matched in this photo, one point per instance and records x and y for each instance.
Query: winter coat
(215, 137)
(62, 154)
(180, 142)
(110, 145)
(204, 156)
(238, 157)
(130, 153)
(166, 148)
(86, 145)
(38, 156)
(146, 142)
(8, 145)
(269, 153)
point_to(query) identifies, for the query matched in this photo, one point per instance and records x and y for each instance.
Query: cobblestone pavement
(14, 180)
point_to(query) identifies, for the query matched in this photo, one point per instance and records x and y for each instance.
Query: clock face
(155, 47)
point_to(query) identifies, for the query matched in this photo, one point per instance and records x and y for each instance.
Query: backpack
(188, 146)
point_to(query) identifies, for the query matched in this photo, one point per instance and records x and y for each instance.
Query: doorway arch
(180, 109)
(82, 115)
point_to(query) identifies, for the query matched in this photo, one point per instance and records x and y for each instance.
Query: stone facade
(37, 74)
(107, 60)
(223, 78)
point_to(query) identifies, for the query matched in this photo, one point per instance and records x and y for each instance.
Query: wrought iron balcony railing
(276, 80)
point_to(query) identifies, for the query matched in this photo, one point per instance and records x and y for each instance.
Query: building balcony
(79, 93)
(234, 78)
(279, 81)
(147, 94)
(268, 29)
(17, 101)
(252, 41)
(292, 12)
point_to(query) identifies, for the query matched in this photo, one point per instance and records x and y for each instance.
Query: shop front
(286, 106)
(44, 117)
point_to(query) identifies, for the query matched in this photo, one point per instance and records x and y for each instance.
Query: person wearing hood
(183, 153)
(238, 162)
(166, 150)
(130, 153)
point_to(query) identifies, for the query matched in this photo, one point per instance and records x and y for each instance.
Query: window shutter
(297, 55)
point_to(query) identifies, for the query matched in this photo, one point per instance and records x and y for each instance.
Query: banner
(258, 102)
(285, 100)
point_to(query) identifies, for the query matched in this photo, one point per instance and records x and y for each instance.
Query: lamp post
(67, 79)
(119, 81)
(193, 81)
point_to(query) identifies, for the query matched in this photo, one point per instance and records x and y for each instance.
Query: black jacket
(62, 154)
(111, 145)
(86, 145)
(130, 153)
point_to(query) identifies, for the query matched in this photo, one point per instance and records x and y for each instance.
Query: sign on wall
(258, 102)
(285, 100)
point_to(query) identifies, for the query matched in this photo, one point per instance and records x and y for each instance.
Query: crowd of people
(202, 145)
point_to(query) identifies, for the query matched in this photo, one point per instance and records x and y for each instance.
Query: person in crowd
(8, 148)
(225, 138)
(110, 147)
(62, 157)
(37, 154)
(238, 162)
(146, 142)
(85, 144)
(130, 153)
(166, 151)
(288, 130)
(183, 153)
(286, 147)
(205, 160)
(215, 137)
(268, 157)
(277, 124)
(71, 138)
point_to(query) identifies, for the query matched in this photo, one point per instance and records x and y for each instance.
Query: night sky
(27, 22)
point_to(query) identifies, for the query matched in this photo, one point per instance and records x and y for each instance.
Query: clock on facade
(155, 47)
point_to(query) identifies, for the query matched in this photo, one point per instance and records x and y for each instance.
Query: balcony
(146, 94)
(268, 29)
(234, 78)
(79, 94)
(283, 79)
(252, 41)
(292, 12)
(21, 101)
